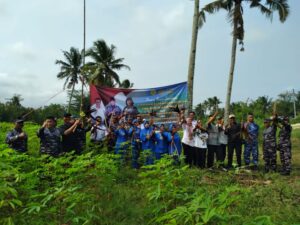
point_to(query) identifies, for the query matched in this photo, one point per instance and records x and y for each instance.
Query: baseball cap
(231, 116)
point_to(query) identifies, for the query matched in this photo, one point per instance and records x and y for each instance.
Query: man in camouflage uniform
(50, 137)
(17, 138)
(285, 146)
(251, 141)
(269, 145)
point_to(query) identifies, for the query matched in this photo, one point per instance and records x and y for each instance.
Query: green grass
(97, 189)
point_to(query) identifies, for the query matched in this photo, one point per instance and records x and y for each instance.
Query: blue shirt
(135, 133)
(252, 130)
(174, 143)
(122, 135)
(161, 139)
(16, 143)
(147, 144)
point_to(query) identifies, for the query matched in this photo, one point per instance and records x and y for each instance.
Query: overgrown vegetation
(97, 189)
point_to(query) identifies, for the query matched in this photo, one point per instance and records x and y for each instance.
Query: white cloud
(35, 90)
(22, 50)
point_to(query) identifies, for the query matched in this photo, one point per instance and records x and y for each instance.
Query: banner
(130, 102)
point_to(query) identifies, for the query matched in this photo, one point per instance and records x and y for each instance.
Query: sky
(154, 37)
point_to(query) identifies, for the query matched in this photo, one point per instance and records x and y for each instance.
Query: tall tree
(16, 100)
(263, 104)
(70, 70)
(126, 84)
(104, 64)
(235, 10)
(212, 104)
(191, 69)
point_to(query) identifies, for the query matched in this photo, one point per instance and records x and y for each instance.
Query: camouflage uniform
(285, 147)
(50, 141)
(269, 147)
(251, 143)
(16, 143)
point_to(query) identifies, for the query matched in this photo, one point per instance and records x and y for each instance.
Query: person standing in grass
(233, 131)
(223, 140)
(68, 136)
(188, 140)
(98, 132)
(174, 140)
(17, 139)
(251, 141)
(161, 140)
(50, 137)
(201, 136)
(121, 134)
(269, 145)
(285, 146)
(213, 147)
(136, 144)
(148, 141)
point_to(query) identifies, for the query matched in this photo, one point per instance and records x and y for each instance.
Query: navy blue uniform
(15, 142)
(136, 144)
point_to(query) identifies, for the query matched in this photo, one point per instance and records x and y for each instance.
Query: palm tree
(104, 64)
(235, 10)
(16, 100)
(126, 84)
(265, 103)
(212, 104)
(191, 69)
(70, 70)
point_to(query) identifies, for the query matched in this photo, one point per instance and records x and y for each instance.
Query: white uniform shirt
(187, 139)
(100, 133)
(200, 139)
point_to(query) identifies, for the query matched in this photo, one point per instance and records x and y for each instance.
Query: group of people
(204, 145)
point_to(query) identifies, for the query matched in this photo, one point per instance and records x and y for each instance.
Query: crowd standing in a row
(204, 146)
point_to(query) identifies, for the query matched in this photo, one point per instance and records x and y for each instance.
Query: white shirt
(200, 139)
(187, 131)
(100, 133)
(194, 123)
(222, 136)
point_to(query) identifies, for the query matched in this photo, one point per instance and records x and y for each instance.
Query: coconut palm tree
(126, 84)
(192, 59)
(70, 69)
(235, 10)
(212, 104)
(104, 64)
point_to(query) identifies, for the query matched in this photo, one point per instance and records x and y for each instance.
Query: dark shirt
(135, 133)
(50, 141)
(269, 137)
(233, 133)
(285, 135)
(16, 143)
(68, 141)
(213, 134)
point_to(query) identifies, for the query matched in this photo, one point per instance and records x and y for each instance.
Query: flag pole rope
(27, 114)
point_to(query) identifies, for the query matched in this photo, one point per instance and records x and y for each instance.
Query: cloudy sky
(154, 38)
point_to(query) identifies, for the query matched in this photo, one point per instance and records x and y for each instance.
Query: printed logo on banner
(131, 102)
